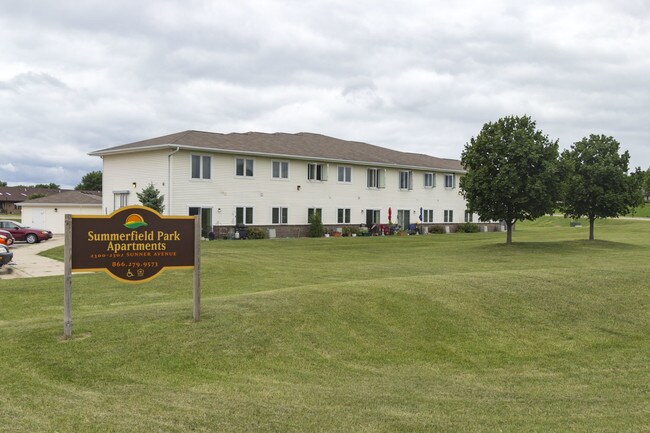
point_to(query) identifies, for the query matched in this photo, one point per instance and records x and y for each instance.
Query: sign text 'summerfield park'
(133, 244)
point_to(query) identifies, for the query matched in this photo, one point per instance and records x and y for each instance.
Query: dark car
(23, 233)
(6, 238)
(5, 255)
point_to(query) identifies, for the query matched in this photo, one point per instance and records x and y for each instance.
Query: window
(405, 180)
(314, 210)
(427, 216)
(343, 216)
(120, 199)
(344, 174)
(201, 166)
(429, 180)
(280, 170)
(469, 216)
(450, 181)
(449, 216)
(403, 218)
(317, 172)
(244, 215)
(373, 216)
(206, 218)
(376, 178)
(244, 167)
(280, 215)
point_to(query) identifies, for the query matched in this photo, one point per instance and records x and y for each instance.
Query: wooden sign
(134, 244)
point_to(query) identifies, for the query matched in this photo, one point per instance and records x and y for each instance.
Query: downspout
(169, 180)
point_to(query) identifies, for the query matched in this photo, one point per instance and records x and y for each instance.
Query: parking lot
(27, 263)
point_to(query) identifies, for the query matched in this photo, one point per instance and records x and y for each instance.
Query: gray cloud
(417, 76)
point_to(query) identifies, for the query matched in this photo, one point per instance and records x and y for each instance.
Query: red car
(22, 233)
(6, 238)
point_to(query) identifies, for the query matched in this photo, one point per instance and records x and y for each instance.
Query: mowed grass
(448, 333)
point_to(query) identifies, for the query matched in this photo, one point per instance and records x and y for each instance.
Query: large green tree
(596, 181)
(646, 185)
(92, 181)
(151, 197)
(512, 172)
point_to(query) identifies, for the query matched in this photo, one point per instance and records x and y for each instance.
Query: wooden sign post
(133, 244)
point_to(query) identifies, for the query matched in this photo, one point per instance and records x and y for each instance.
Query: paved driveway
(27, 262)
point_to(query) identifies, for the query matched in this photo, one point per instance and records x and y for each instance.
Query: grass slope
(416, 334)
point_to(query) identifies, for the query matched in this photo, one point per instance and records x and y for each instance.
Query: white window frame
(280, 215)
(283, 169)
(316, 172)
(449, 216)
(405, 180)
(248, 212)
(427, 215)
(450, 181)
(344, 174)
(469, 216)
(432, 180)
(205, 169)
(343, 215)
(245, 167)
(376, 178)
(120, 199)
(313, 210)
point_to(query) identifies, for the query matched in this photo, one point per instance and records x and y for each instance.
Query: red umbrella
(390, 214)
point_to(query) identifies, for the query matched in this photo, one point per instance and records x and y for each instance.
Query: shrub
(467, 228)
(255, 233)
(316, 229)
(350, 230)
(437, 230)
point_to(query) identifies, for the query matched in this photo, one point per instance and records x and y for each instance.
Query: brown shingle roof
(69, 197)
(21, 193)
(302, 145)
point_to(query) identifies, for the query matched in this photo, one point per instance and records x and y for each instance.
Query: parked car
(5, 255)
(23, 233)
(6, 238)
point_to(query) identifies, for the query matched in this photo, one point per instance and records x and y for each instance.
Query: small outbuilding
(49, 212)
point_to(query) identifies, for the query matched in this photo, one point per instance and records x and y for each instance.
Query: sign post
(134, 244)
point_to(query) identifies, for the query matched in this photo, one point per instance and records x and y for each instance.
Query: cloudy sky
(420, 76)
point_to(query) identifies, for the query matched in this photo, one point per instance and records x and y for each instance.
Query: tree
(316, 229)
(3, 183)
(151, 197)
(646, 185)
(597, 183)
(50, 185)
(512, 172)
(91, 181)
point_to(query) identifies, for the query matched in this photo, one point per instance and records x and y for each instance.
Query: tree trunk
(591, 228)
(509, 232)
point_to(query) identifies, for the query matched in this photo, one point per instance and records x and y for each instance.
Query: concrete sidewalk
(27, 262)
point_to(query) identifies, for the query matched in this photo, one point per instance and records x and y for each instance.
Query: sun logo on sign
(134, 221)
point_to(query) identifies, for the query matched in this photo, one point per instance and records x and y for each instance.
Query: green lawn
(449, 333)
(641, 211)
